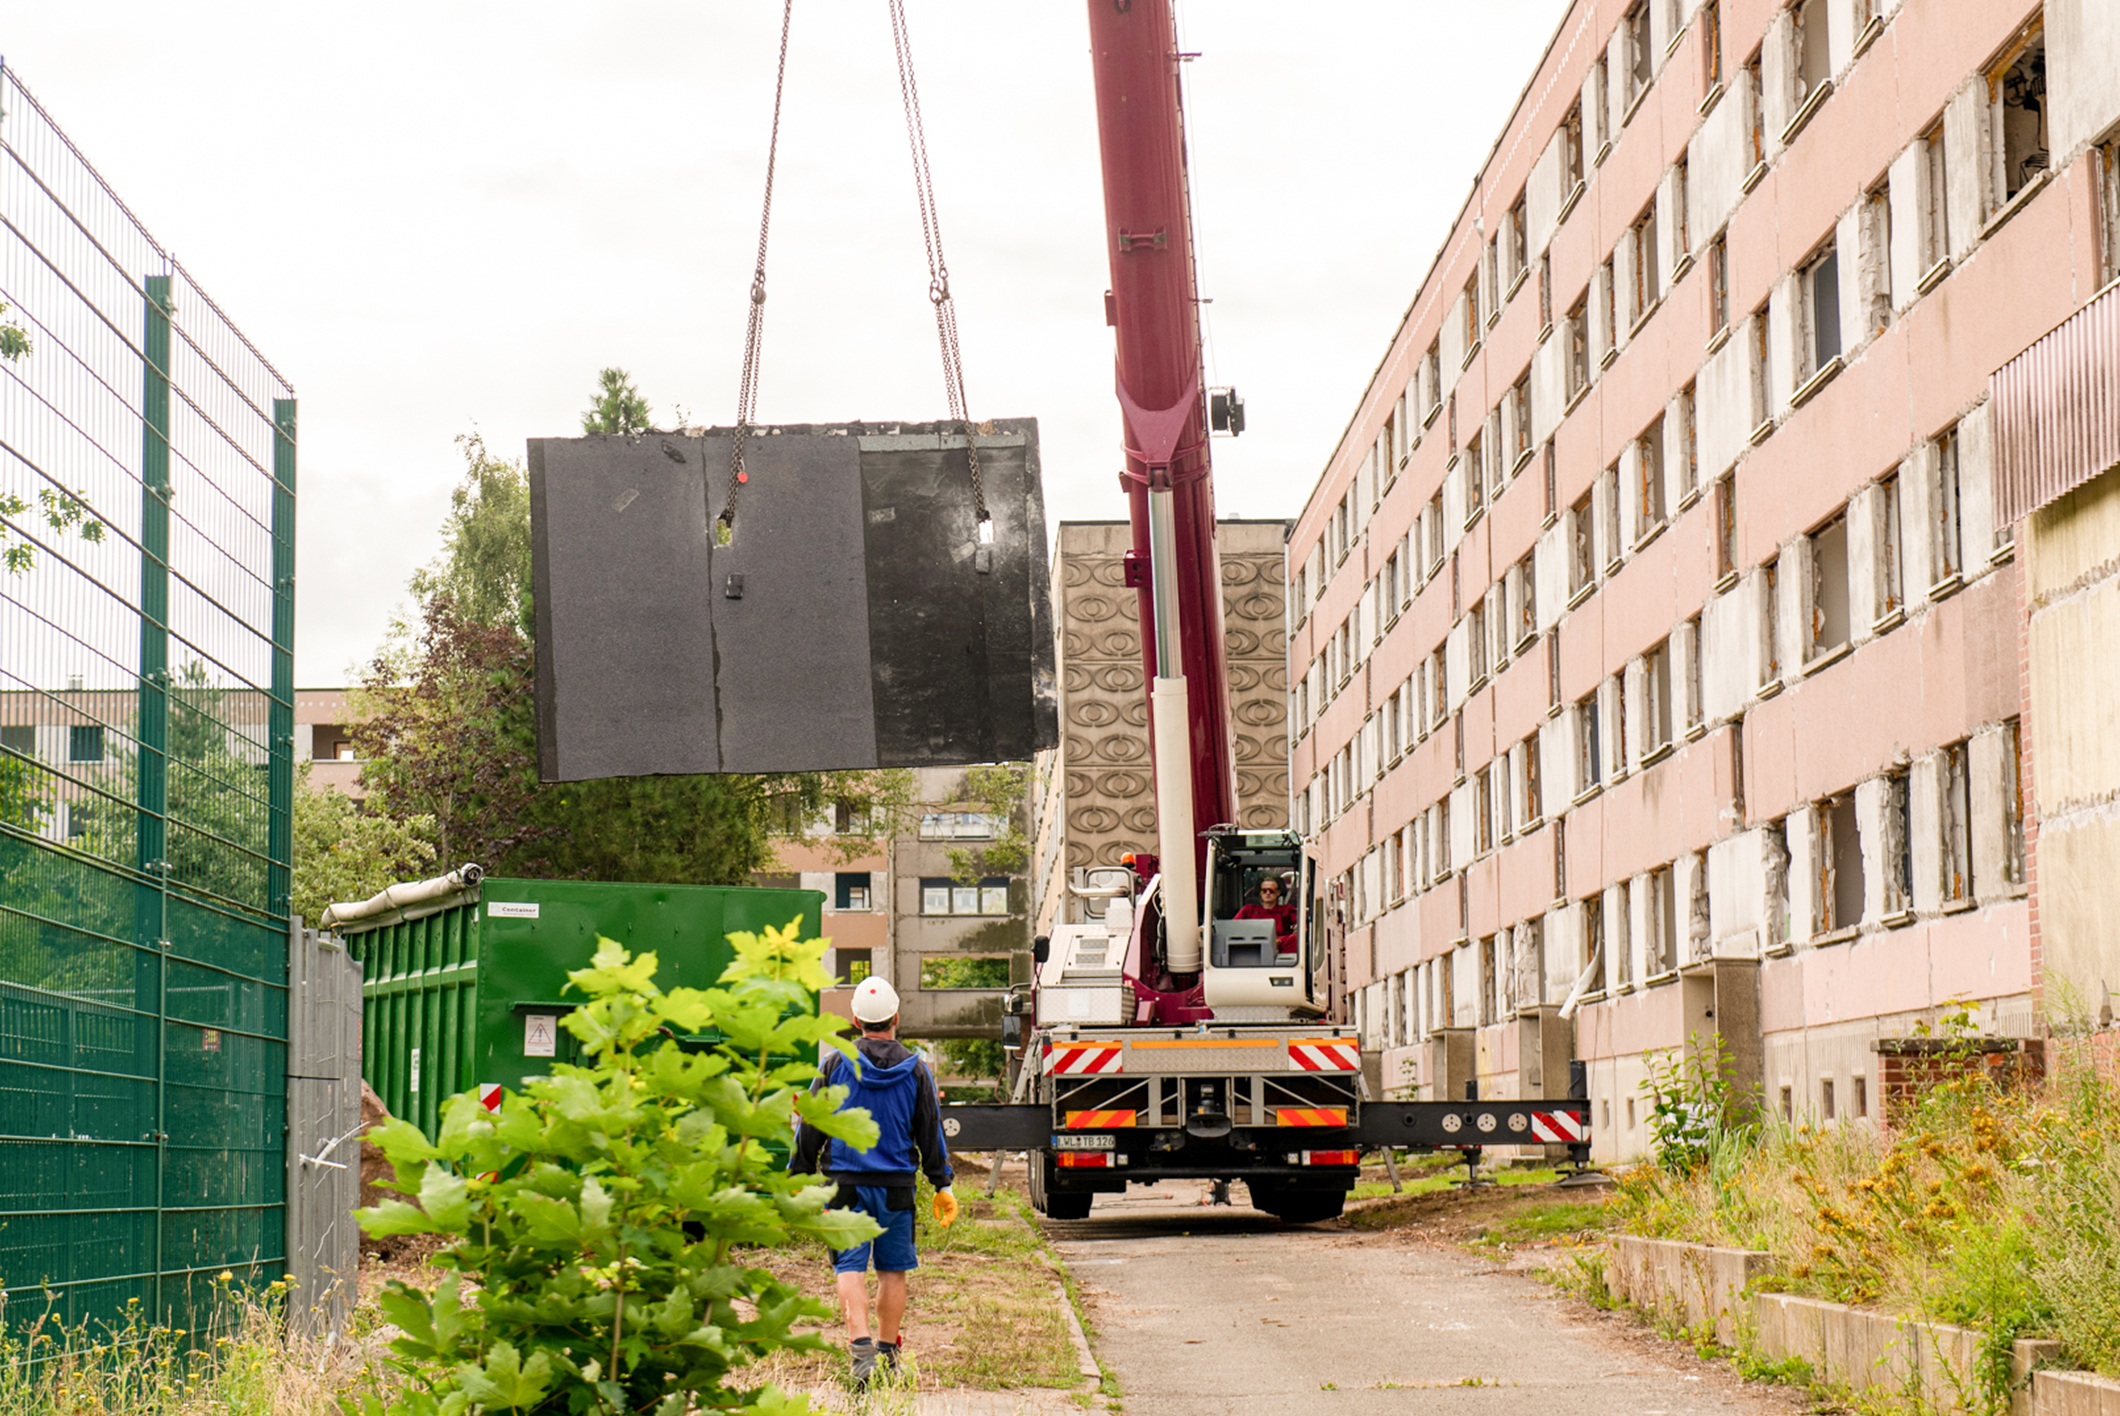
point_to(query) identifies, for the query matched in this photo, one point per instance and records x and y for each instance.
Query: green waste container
(465, 976)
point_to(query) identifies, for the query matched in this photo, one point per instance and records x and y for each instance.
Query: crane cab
(1262, 960)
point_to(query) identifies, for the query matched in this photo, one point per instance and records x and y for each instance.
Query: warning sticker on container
(540, 1034)
(210, 1040)
(511, 909)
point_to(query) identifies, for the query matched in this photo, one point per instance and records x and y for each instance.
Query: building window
(1553, 671)
(851, 890)
(1838, 863)
(1858, 1097)
(1661, 918)
(1520, 421)
(1526, 600)
(1696, 711)
(2013, 802)
(950, 972)
(1769, 623)
(1622, 969)
(1681, 234)
(1647, 276)
(1821, 284)
(1475, 480)
(1472, 314)
(1762, 390)
(1457, 746)
(1578, 337)
(330, 742)
(1891, 588)
(1483, 812)
(1616, 723)
(1516, 242)
(1571, 153)
(1545, 293)
(1476, 642)
(954, 897)
(1442, 838)
(1726, 527)
(1825, 1099)
(1435, 533)
(1876, 272)
(1608, 486)
(1829, 588)
(2108, 165)
(20, 739)
(84, 743)
(2017, 89)
(1582, 544)
(1534, 806)
(1600, 106)
(1641, 52)
(1711, 51)
(1441, 679)
(1755, 92)
(1552, 483)
(854, 965)
(1688, 446)
(1954, 779)
(1814, 63)
(960, 826)
(1719, 284)
(1656, 699)
(1947, 553)
(1936, 206)
(1589, 759)
(1898, 844)
(1608, 310)
(1649, 479)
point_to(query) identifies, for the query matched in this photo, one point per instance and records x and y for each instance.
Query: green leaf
(505, 1381)
(394, 1217)
(446, 1200)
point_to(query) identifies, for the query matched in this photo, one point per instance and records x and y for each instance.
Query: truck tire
(1294, 1205)
(1055, 1204)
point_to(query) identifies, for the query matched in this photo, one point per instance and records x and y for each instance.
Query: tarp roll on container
(472, 992)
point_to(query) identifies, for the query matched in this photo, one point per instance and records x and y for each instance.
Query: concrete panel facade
(1773, 690)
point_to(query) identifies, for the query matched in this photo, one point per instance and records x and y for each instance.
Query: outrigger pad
(847, 624)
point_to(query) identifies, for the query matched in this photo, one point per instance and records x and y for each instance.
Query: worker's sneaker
(864, 1360)
(887, 1355)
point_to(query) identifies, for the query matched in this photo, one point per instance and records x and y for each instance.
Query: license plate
(1077, 1141)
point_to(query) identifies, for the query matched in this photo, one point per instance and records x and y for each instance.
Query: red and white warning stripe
(489, 1095)
(1086, 1059)
(1566, 1127)
(1324, 1054)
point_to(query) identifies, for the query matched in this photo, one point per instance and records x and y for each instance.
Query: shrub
(604, 1216)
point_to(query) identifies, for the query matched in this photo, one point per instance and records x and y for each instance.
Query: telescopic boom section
(1153, 308)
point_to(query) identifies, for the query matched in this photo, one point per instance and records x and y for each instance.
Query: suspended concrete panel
(853, 619)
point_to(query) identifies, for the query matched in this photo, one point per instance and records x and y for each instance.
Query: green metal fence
(146, 726)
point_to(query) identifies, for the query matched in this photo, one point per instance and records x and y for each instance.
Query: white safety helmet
(875, 1001)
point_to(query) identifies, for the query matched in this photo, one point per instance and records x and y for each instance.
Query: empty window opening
(1646, 274)
(1770, 623)
(84, 743)
(1609, 311)
(1898, 844)
(1936, 209)
(1858, 1097)
(1948, 561)
(1756, 137)
(1608, 485)
(1630, 1113)
(1656, 698)
(1891, 589)
(1719, 283)
(1517, 242)
(1711, 49)
(1649, 479)
(1623, 932)
(1617, 716)
(2018, 90)
(1788, 1104)
(854, 965)
(1582, 539)
(1839, 864)
(1534, 802)
(1695, 712)
(1545, 293)
(1814, 62)
(1572, 151)
(1526, 600)
(1472, 314)
(1688, 445)
(1822, 289)
(2013, 802)
(1825, 1099)
(1829, 587)
(1762, 391)
(1726, 527)
(851, 890)
(1641, 52)
(1590, 761)
(1552, 483)
(1774, 855)
(947, 973)
(1662, 921)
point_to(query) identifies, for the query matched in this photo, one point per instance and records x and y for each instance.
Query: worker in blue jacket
(894, 1086)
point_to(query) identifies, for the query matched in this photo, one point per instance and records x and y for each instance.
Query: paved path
(1210, 1310)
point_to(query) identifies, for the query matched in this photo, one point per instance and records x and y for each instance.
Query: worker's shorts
(893, 1249)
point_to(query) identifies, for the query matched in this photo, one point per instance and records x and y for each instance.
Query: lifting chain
(938, 280)
(938, 268)
(754, 326)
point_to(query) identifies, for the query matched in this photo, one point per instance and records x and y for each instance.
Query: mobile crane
(1193, 1027)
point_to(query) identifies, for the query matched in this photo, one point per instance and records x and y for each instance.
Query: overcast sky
(444, 217)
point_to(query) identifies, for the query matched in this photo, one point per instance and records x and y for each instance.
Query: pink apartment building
(1657, 653)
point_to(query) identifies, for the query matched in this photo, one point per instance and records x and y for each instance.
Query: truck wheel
(1068, 1206)
(1292, 1205)
(1055, 1204)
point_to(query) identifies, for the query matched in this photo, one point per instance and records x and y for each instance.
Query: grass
(1992, 1207)
(985, 1308)
(248, 1367)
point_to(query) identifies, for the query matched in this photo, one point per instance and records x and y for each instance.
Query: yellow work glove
(945, 1208)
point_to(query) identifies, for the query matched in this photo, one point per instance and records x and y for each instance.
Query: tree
(618, 408)
(485, 563)
(344, 853)
(457, 744)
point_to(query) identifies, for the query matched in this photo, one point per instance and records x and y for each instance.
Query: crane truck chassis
(1116, 1082)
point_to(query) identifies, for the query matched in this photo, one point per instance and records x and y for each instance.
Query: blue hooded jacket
(895, 1087)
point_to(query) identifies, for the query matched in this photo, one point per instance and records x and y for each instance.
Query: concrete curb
(1085, 1360)
(1856, 1348)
